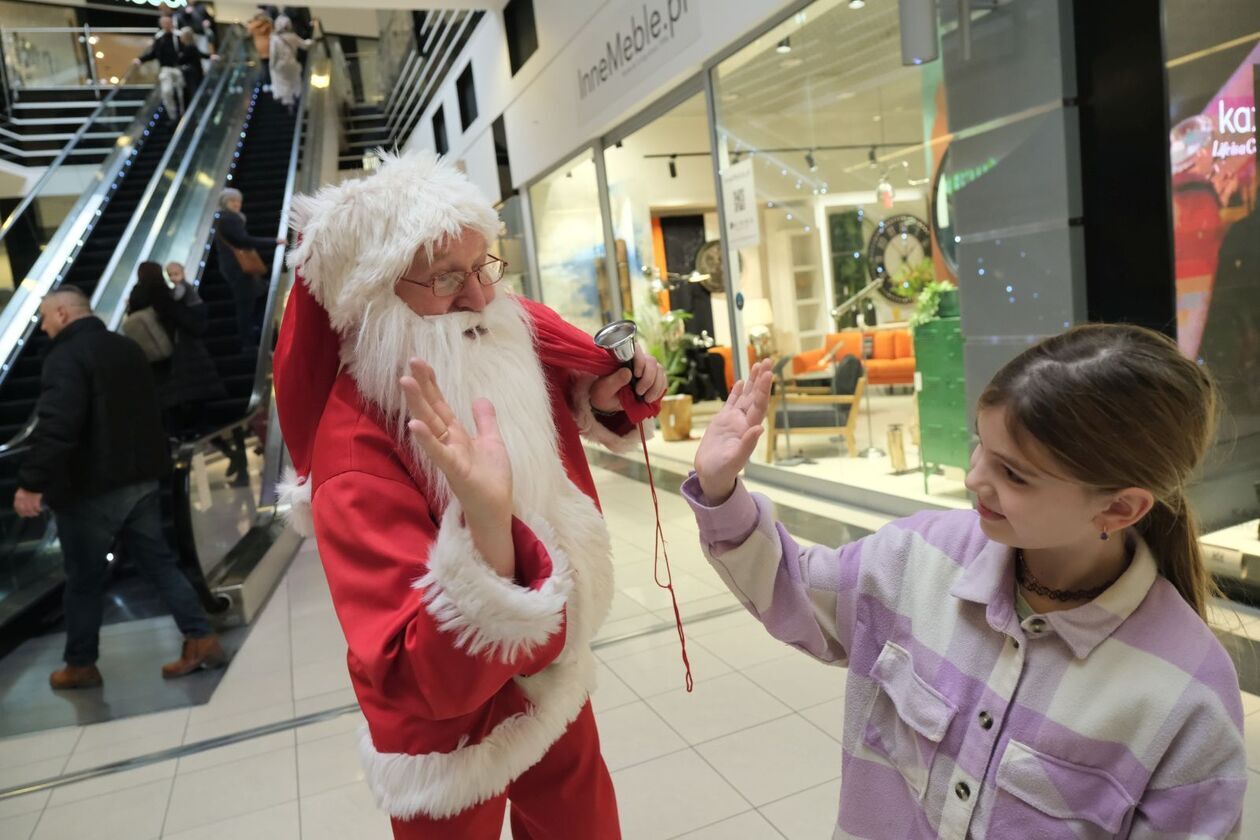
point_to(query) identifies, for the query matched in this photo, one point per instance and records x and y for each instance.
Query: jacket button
(986, 720)
(962, 791)
(1036, 624)
(1015, 643)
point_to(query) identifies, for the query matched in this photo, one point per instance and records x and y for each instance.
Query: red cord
(658, 551)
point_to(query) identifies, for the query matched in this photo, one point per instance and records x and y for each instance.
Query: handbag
(144, 328)
(249, 261)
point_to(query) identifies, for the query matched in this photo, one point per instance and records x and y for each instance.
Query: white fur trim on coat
(296, 494)
(487, 612)
(590, 427)
(441, 785)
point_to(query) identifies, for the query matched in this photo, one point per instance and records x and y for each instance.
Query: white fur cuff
(590, 427)
(487, 612)
(295, 493)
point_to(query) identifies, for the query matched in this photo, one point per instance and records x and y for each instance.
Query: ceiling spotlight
(673, 167)
(785, 46)
(857, 4)
(810, 162)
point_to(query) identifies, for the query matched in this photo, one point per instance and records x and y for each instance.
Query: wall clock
(899, 242)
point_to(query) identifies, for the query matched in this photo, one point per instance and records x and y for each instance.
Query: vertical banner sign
(739, 197)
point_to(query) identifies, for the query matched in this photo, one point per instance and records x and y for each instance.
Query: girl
(1039, 667)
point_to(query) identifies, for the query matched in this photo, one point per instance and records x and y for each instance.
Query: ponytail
(1172, 534)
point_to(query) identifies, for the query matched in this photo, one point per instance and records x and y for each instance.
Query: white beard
(499, 364)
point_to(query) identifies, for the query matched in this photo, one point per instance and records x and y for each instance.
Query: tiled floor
(752, 753)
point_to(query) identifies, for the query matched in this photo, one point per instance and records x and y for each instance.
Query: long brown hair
(1119, 406)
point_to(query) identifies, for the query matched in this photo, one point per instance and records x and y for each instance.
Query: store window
(667, 236)
(466, 92)
(440, 143)
(570, 239)
(511, 246)
(1213, 55)
(830, 152)
(522, 35)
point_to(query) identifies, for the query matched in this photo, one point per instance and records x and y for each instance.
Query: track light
(857, 4)
(673, 167)
(810, 162)
(784, 47)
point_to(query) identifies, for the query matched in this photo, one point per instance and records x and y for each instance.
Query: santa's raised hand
(732, 434)
(477, 469)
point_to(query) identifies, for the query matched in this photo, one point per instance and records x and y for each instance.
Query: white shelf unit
(797, 290)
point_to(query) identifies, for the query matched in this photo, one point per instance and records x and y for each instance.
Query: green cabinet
(944, 439)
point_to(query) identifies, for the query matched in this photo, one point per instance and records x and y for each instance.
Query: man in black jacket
(165, 51)
(96, 455)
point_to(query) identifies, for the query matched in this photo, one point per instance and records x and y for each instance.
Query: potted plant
(668, 341)
(937, 299)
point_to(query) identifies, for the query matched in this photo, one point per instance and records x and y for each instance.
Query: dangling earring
(1104, 536)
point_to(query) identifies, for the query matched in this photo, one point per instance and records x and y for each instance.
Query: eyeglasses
(448, 284)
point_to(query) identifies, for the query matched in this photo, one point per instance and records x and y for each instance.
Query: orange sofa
(891, 362)
(728, 362)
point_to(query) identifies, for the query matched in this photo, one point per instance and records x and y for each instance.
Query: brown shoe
(205, 652)
(75, 676)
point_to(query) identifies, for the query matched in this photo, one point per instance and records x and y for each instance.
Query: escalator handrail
(262, 373)
(65, 152)
(189, 116)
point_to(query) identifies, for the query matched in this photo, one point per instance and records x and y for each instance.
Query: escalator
(20, 388)
(223, 525)
(108, 231)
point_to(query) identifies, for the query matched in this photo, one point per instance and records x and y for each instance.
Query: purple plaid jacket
(1119, 718)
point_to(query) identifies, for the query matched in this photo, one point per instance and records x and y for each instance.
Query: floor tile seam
(249, 813)
(778, 717)
(183, 739)
(754, 810)
(107, 793)
(830, 780)
(187, 773)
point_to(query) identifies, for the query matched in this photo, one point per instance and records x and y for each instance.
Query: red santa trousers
(568, 795)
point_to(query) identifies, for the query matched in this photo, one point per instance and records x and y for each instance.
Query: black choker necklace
(1026, 580)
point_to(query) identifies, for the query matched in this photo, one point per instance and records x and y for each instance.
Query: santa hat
(355, 240)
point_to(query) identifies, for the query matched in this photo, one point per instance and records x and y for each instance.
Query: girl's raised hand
(732, 434)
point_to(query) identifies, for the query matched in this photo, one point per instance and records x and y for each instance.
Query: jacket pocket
(908, 718)
(1039, 795)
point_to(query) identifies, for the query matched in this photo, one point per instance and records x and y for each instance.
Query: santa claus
(434, 422)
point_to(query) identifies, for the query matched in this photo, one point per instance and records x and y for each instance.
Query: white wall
(540, 104)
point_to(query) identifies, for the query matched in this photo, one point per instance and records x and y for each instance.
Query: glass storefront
(511, 246)
(856, 195)
(1213, 65)
(569, 233)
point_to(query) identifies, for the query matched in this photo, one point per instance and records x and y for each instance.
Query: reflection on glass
(1214, 54)
(570, 239)
(511, 244)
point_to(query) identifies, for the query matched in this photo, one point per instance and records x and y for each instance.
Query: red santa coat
(465, 678)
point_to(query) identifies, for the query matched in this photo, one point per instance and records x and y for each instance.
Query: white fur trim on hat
(487, 612)
(295, 493)
(358, 237)
(590, 427)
